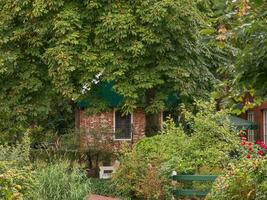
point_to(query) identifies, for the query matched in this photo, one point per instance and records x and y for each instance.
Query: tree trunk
(153, 119)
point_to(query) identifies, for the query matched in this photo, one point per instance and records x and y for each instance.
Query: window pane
(123, 129)
(251, 133)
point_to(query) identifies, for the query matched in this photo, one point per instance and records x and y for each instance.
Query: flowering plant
(246, 180)
(253, 150)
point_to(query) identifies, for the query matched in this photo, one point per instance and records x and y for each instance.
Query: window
(265, 126)
(122, 126)
(251, 133)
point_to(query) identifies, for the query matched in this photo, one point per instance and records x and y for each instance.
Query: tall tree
(242, 28)
(27, 98)
(148, 49)
(252, 41)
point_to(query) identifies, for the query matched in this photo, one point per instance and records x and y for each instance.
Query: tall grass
(59, 182)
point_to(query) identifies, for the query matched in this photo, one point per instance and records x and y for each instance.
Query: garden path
(97, 197)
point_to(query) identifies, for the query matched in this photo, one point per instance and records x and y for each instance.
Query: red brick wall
(139, 124)
(106, 120)
(96, 121)
(258, 117)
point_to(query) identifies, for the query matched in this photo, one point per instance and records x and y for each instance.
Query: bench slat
(194, 177)
(190, 192)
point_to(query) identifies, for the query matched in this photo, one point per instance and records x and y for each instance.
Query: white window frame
(114, 127)
(251, 133)
(264, 112)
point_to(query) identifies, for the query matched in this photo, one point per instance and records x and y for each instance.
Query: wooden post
(174, 182)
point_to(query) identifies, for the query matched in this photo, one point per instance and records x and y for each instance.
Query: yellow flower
(18, 187)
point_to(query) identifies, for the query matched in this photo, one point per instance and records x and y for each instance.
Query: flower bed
(253, 150)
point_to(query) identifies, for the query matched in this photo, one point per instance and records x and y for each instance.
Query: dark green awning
(105, 92)
(242, 124)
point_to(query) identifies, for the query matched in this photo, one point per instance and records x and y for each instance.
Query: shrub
(15, 183)
(59, 182)
(18, 153)
(206, 149)
(246, 179)
(105, 187)
(151, 185)
(251, 150)
(16, 176)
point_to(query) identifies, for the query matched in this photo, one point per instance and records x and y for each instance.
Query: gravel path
(97, 197)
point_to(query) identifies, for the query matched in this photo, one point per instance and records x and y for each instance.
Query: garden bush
(18, 153)
(205, 147)
(15, 183)
(58, 181)
(105, 187)
(16, 176)
(246, 180)
(22, 180)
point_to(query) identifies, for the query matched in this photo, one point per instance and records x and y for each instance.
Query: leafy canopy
(252, 40)
(241, 32)
(64, 47)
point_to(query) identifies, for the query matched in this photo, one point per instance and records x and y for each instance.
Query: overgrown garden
(209, 55)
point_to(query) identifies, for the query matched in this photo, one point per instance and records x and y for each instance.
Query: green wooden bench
(188, 178)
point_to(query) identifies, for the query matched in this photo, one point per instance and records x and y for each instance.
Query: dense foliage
(241, 34)
(242, 180)
(245, 178)
(252, 40)
(62, 48)
(15, 182)
(58, 181)
(22, 180)
(106, 187)
(207, 146)
(16, 176)
(55, 52)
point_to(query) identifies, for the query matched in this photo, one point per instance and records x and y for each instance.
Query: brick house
(259, 116)
(130, 128)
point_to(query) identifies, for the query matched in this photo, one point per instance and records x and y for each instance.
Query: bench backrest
(192, 192)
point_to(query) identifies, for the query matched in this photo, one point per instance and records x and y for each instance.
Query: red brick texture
(258, 118)
(139, 124)
(105, 120)
(97, 121)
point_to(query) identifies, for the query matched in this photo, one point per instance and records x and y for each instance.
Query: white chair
(106, 172)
